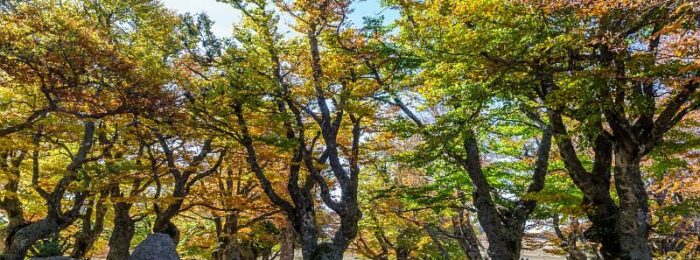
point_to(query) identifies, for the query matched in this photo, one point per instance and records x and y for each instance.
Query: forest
(461, 129)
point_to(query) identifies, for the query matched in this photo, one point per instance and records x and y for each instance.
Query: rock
(156, 246)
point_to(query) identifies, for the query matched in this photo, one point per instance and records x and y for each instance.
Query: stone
(156, 246)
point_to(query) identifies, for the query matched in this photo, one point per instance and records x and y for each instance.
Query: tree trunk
(11, 203)
(603, 213)
(466, 237)
(436, 241)
(86, 238)
(13, 226)
(56, 219)
(166, 226)
(83, 239)
(504, 227)
(287, 242)
(163, 223)
(595, 185)
(505, 247)
(348, 224)
(26, 236)
(229, 248)
(633, 219)
(569, 241)
(237, 251)
(402, 253)
(123, 232)
(502, 231)
(309, 234)
(327, 251)
(305, 225)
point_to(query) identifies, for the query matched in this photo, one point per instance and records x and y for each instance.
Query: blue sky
(224, 15)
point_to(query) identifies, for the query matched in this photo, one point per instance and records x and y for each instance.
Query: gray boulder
(156, 246)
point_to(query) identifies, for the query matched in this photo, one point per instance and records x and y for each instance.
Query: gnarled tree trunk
(11, 203)
(26, 236)
(122, 233)
(90, 231)
(504, 228)
(56, 219)
(184, 180)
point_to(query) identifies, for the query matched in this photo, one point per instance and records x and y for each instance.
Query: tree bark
(122, 233)
(402, 253)
(301, 211)
(86, 238)
(11, 203)
(327, 251)
(467, 239)
(56, 219)
(432, 233)
(164, 225)
(26, 236)
(504, 228)
(287, 242)
(595, 185)
(622, 230)
(302, 214)
(229, 248)
(306, 226)
(184, 180)
(633, 219)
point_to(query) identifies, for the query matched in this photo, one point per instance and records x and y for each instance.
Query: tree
(73, 64)
(468, 106)
(296, 103)
(407, 216)
(617, 69)
(24, 236)
(185, 169)
(669, 170)
(233, 201)
(635, 112)
(83, 65)
(127, 181)
(418, 136)
(301, 108)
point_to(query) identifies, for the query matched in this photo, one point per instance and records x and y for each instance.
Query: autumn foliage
(483, 129)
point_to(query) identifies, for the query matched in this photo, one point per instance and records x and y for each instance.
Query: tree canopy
(480, 129)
